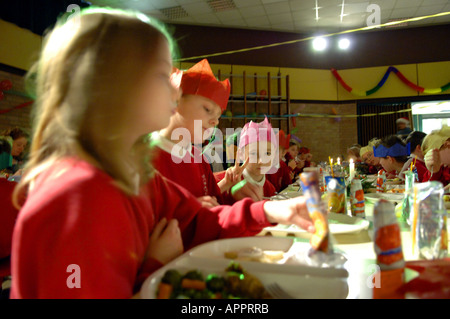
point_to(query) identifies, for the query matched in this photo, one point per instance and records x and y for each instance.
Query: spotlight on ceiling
(344, 44)
(319, 44)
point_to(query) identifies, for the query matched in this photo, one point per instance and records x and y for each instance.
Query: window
(432, 115)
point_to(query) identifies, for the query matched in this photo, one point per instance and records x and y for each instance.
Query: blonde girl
(100, 77)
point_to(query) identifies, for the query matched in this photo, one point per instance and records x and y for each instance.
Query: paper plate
(338, 223)
(299, 281)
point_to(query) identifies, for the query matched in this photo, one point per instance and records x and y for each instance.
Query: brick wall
(326, 136)
(16, 117)
(323, 136)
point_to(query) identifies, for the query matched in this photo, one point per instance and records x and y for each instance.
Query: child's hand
(245, 189)
(208, 201)
(292, 164)
(433, 160)
(300, 163)
(288, 212)
(165, 242)
(232, 176)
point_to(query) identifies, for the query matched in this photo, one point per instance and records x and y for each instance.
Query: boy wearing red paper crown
(178, 156)
(282, 178)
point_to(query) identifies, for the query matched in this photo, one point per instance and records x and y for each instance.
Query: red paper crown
(303, 150)
(200, 80)
(283, 139)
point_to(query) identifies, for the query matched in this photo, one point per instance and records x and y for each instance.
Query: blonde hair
(369, 148)
(88, 70)
(435, 139)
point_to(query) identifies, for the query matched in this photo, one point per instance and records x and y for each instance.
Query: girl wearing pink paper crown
(178, 155)
(259, 144)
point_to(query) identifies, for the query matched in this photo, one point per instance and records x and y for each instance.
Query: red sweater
(194, 174)
(422, 171)
(268, 188)
(443, 175)
(76, 216)
(281, 178)
(8, 217)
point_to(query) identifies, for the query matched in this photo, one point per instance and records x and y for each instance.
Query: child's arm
(165, 244)
(232, 176)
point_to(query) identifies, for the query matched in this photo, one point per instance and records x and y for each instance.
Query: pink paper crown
(257, 132)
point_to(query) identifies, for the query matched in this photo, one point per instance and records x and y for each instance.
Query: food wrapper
(336, 190)
(429, 221)
(321, 253)
(408, 200)
(357, 198)
(381, 181)
(317, 211)
(387, 237)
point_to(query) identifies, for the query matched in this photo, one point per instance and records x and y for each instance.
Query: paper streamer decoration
(5, 87)
(383, 81)
(16, 107)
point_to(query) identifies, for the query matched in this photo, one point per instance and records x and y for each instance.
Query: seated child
(292, 159)
(367, 156)
(258, 144)
(353, 152)
(436, 148)
(199, 109)
(304, 158)
(393, 154)
(415, 139)
(282, 177)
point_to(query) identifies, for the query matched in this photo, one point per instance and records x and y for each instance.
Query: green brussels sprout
(172, 277)
(215, 283)
(194, 274)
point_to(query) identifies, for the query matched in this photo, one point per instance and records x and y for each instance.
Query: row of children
(427, 154)
(102, 195)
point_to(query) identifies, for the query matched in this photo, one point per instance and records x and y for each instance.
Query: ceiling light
(344, 44)
(319, 44)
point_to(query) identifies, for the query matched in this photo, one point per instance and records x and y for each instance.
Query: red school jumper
(281, 178)
(268, 189)
(189, 169)
(76, 221)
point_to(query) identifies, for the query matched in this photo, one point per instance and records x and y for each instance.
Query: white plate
(215, 250)
(338, 223)
(297, 280)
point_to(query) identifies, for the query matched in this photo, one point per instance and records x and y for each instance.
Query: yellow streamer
(432, 91)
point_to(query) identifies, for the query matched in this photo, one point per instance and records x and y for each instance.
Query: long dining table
(358, 246)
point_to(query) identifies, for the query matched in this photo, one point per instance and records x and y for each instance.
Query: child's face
(19, 145)
(444, 152)
(293, 150)
(369, 159)
(156, 97)
(196, 107)
(308, 157)
(261, 157)
(387, 163)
